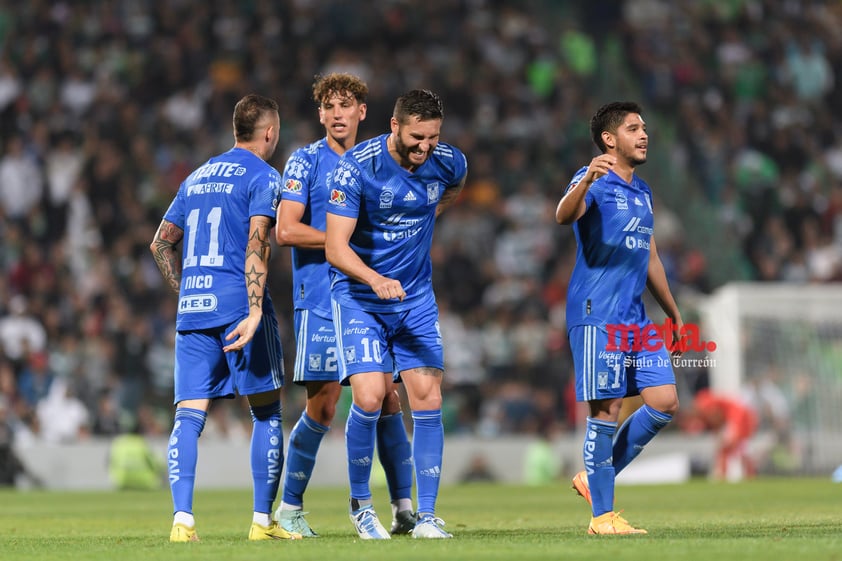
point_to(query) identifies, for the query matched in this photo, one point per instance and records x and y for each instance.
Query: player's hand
(244, 332)
(387, 289)
(678, 345)
(599, 166)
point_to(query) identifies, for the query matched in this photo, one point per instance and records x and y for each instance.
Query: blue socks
(182, 453)
(598, 464)
(609, 450)
(427, 449)
(304, 442)
(635, 433)
(267, 454)
(360, 435)
(395, 454)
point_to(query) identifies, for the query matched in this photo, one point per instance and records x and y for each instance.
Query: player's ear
(363, 110)
(608, 140)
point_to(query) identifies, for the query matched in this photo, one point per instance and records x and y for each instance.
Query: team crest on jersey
(350, 355)
(648, 203)
(337, 197)
(387, 196)
(292, 186)
(315, 362)
(621, 200)
(602, 380)
(432, 193)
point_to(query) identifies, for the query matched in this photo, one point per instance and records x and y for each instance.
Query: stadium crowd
(105, 106)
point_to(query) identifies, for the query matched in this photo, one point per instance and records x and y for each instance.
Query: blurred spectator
(478, 470)
(12, 469)
(20, 332)
(541, 463)
(133, 465)
(35, 378)
(21, 181)
(62, 416)
(103, 113)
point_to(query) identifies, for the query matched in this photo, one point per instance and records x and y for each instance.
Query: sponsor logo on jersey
(633, 225)
(209, 188)
(197, 303)
(410, 197)
(222, 169)
(337, 197)
(292, 186)
(634, 243)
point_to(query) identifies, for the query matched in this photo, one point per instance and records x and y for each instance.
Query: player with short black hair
(611, 210)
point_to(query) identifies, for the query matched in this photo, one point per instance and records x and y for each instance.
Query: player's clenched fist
(599, 166)
(387, 288)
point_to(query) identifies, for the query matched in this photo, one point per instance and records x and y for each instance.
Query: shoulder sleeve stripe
(367, 152)
(443, 150)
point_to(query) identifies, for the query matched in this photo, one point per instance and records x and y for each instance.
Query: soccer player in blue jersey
(301, 223)
(385, 195)
(610, 208)
(227, 337)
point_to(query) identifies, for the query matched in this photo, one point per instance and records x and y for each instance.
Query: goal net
(779, 346)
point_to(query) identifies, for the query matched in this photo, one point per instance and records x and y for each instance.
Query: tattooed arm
(166, 256)
(257, 267)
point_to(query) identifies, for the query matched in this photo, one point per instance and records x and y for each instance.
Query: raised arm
(291, 231)
(167, 257)
(572, 206)
(340, 254)
(258, 251)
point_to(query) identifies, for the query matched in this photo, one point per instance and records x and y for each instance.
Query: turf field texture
(768, 519)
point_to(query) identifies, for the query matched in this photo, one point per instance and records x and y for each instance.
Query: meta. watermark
(654, 337)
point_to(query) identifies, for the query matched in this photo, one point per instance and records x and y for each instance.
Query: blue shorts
(315, 353)
(604, 374)
(387, 341)
(203, 371)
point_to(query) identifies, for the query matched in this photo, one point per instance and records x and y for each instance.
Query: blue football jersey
(214, 206)
(305, 181)
(395, 211)
(612, 253)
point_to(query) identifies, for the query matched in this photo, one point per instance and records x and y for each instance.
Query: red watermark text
(654, 337)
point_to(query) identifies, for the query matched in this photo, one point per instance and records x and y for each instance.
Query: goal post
(786, 338)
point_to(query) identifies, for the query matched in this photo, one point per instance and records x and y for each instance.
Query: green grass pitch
(766, 519)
